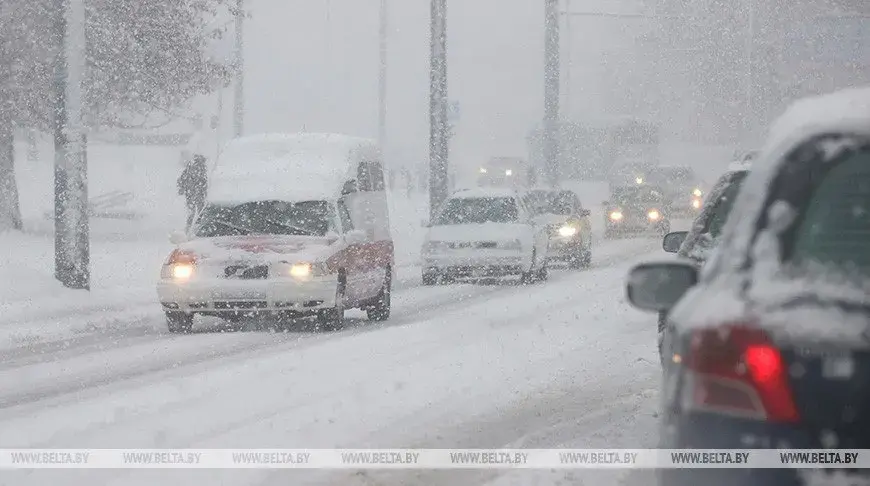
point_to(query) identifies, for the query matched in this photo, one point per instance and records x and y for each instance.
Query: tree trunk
(10, 212)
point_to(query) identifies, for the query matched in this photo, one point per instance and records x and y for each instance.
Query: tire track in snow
(420, 301)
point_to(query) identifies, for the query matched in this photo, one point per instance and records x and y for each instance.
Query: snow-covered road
(561, 364)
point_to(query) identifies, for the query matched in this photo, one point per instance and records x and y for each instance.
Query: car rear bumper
(477, 263)
(220, 297)
(565, 249)
(635, 227)
(707, 431)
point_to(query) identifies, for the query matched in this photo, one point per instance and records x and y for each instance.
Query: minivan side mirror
(585, 212)
(658, 287)
(672, 242)
(178, 237)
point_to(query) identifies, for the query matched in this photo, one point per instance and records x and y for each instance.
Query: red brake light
(737, 370)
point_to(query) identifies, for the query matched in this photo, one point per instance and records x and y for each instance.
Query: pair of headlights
(184, 271)
(652, 215)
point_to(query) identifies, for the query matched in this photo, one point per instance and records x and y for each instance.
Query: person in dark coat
(193, 185)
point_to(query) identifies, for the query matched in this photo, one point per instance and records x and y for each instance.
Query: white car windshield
(310, 218)
(479, 210)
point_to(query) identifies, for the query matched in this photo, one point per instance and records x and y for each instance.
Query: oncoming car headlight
(180, 266)
(654, 215)
(696, 203)
(697, 193)
(182, 271)
(567, 230)
(615, 215)
(305, 270)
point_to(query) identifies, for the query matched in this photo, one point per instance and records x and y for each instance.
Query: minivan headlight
(567, 231)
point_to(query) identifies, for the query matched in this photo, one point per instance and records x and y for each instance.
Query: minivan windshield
(476, 210)
(309, 218)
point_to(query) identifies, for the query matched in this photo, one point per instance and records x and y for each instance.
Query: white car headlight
(303, 270)
(567, 231)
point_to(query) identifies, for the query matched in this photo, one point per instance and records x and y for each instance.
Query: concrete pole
(239, 88)
(71, 226)
(438, 126)
(552, 80)
(382, 75)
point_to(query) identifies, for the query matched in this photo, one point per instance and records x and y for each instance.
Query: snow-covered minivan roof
(288, 167)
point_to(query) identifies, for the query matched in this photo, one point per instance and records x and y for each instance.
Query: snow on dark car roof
(846, 111)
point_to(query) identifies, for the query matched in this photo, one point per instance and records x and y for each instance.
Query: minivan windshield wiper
(243, 230)
(297, 229)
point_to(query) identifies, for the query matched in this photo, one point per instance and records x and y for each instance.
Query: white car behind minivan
(485, 233)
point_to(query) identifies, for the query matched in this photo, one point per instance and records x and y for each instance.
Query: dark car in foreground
(703, 237)
(639, 209)
(772, 338)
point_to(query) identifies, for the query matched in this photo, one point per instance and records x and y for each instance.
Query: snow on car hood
(478, 232)
(266, 248)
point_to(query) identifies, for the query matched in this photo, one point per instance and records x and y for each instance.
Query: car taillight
(737, 370)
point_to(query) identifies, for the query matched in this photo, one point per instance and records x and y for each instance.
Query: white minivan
(295, 225)
(485, 232)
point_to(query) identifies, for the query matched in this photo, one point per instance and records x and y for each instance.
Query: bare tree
(142, 58)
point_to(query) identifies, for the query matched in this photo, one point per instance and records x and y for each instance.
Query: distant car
(267, 244)
(770, 345)
(568, 225)
(485, 233)
(697, 243)
(509, 172)
(636, 210)
(682, 186)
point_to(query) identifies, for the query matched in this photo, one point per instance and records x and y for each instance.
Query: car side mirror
(672, 242)
(355, 237)
(178, 237)
(605, 203)
(658, 287)
(585, 212)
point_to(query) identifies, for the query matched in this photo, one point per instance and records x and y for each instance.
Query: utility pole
(552, 80)
(71, 240)
(568, 56)
(382, 76)
(749, 117)
(438, 126)
(239, 94)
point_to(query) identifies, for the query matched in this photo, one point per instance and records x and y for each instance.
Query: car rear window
(835, 229)
(479, 210)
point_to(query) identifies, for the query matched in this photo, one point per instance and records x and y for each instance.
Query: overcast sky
(314, 64)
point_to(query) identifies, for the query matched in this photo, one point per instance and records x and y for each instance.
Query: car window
(723, 206)
(475, 210)
(835, 228)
